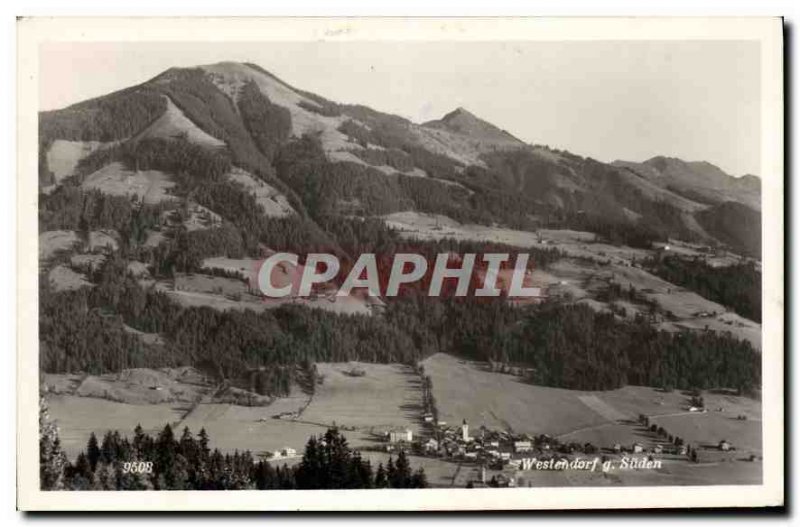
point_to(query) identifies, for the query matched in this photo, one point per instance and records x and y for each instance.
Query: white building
(522, 446)
(465, 432)
(289, 452)
(401, 436)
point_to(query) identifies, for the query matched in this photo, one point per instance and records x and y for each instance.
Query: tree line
(737, 286)
(568, 346)
(168, 461)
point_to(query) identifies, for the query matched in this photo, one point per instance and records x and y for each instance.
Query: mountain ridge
(485, 173)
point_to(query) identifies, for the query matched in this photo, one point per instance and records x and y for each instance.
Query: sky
(631, 100)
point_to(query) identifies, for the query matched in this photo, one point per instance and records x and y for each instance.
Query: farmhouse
(724, 446)
(637, 448)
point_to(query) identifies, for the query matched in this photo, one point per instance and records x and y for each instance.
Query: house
(522, 446)
(505, 456)
(724, 446)
(471, 455)
(431, 445)
(289, 452)
(617, 448)
(495, 444)
(428, 418)
(637, 448)
(403, 435)
(658, 449)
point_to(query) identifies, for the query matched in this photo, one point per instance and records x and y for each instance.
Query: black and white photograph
(439, 257)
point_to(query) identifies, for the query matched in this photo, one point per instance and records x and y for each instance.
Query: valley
(158, 204)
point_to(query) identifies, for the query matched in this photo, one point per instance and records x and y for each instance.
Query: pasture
(77, 417)
(386, 396)
(150, 186)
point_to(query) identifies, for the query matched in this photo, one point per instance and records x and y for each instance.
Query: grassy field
(575, 244)
(62, 278)
(707, 430)
(63, 156)
(51, 242)
(386, 396)
(466, 390)
(151, 186)
(251, 428)
(273, 202)
(77, 417)
(173, 123)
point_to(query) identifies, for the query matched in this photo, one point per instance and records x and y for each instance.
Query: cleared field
(77, 417)
(102, 240)
(154, 238)
(174, 123)
(466, 390)
(273, 202)
(141, 386)
(51, 242)
(386, 396)
(710, 428)
(89, 262)
(138, 269)
(602, 407)
(199, 283)
(249, 268)
(151, 186)
(201, 218)
(417, 225)
(250, 428)
(62, 278)
(147, 338)
(63, 156)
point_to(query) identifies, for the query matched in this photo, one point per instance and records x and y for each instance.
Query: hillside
(699, 180)
(376, 163)
(159, 204)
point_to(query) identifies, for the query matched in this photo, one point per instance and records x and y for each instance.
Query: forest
(187, 462)
(568, 346)
(338, 206)
(737, 287)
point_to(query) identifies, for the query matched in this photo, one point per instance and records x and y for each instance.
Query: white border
(768, 31)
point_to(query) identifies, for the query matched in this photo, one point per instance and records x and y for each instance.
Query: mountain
(227, 133)
(699, 180)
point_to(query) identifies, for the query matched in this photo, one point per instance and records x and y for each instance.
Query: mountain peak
(458, 112)
(462, 121)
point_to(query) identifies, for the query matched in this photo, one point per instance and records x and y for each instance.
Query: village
(513, 454)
